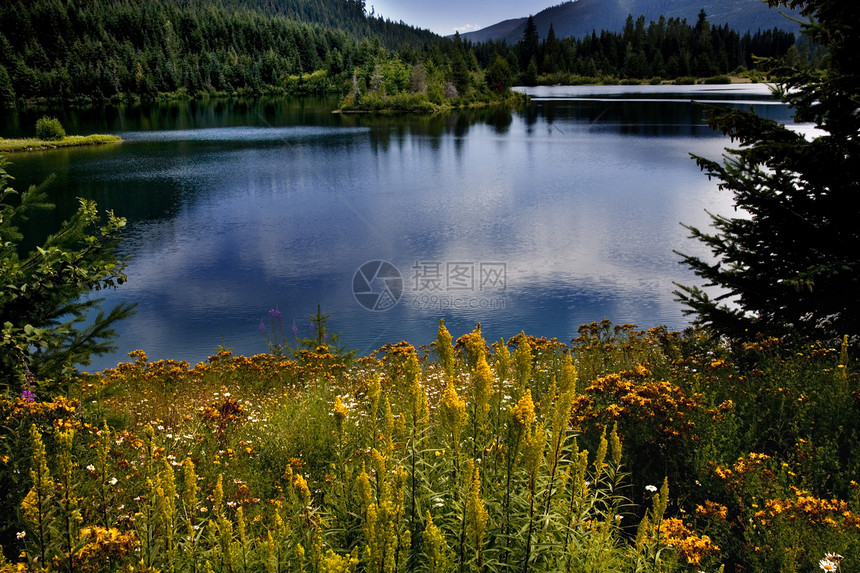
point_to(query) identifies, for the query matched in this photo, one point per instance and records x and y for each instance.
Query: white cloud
(466, 28)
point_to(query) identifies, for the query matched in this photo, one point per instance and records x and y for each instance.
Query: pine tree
(552, 59)
(791, 262)
(530, 76)
(529, 45)
(460, 76)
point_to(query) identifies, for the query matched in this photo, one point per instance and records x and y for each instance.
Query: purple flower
(28, 396)
(275, 313)
(295, 330)
(262, 327)
(325, 336)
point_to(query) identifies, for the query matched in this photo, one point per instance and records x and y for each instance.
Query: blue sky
(447, 16)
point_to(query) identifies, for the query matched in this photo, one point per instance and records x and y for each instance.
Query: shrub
(50, 129)
(718, 80)
(43, 317)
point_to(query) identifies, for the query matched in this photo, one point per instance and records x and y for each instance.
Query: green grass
(33, 144)
(530, 455)
(403, 103)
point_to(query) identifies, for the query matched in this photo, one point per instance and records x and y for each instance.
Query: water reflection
(238, 207)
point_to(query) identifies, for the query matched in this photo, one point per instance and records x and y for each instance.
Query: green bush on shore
(49, 129)
(718, 80)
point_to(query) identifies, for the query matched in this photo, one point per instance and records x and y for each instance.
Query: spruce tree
(529, 46)
(789, 263)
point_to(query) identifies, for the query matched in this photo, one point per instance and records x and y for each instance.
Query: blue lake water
(538, 220)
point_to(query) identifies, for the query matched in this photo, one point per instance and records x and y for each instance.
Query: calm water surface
(539, 220)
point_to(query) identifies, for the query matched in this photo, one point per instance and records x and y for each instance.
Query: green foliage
(530, 76)
(669, 48)
(322, 338)
(106, 50)
(7, 91)
(103, 50)
(321, 341)
(528, 47)
(398, 103)
(316, 83)
(49, 129)
(789, 263)
(10, 145)
(685, 81)
(648, 451)
(429, 85)
(46, 324)
(498, 76)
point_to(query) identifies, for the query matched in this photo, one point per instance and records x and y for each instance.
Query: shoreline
(34, 144)
(184, 96)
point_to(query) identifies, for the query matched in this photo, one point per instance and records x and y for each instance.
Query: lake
(537, 220)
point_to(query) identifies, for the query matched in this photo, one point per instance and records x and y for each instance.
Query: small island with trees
(50, 134)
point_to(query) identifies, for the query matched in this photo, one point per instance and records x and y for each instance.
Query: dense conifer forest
(69, 50)
(668, 48)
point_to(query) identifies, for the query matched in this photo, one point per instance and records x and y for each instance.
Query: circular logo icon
(377, 285)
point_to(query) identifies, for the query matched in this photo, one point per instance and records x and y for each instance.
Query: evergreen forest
(75, 51)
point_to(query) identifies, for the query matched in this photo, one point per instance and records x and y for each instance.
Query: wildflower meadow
(621, 450)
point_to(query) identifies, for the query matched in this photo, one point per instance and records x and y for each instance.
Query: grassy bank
(624, 450)
(406, 103)
(436, 99)
(33, 144)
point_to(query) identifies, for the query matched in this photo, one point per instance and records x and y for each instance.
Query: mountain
(580, 17)
(501, 31)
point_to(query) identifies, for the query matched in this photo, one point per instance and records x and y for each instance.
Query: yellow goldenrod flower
(436, 549)
(482, 388)
(444, 349)
(476, 514)
(331, 562)
(453, 413)
(524, 412)
(340, 413)
(523, 361)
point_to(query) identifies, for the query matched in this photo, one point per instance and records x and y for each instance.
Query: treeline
(436, 78)
(458, 72)
(668, 48)
(95, 50)
(99, 49)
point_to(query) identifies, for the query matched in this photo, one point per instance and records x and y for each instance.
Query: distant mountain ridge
(579, 18)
